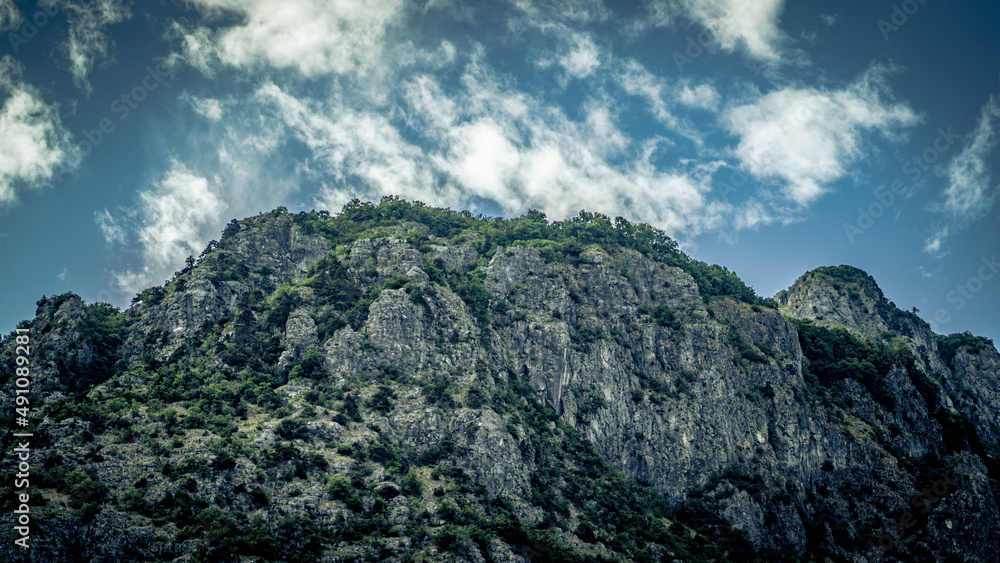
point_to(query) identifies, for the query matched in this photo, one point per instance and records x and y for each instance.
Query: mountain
(404, 383)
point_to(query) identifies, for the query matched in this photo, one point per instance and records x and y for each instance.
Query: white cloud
(607, 139)
(429, 102)
(313, 36)
(660, 13)
(583, 59)
(87, 39)
(61, 276)
(969, 193)
(634, 79)
(935, 243)
(828, 19)
(752, 216)
(807, 138)
(702, 96)
(197, 48)
(180, 214)
(489, 142)
(637, 81)
(208, 108)
(750, 25)
(575, 51)
(484, 161)
(354, 145)
(547, 12)
(34, 145)
(110, 228)
(221, 169)
(465, 138)
(10, 17)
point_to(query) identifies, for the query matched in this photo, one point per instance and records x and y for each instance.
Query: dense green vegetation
(190, 393)
(559, 240)
(948, 346)
(103, 331)
(616, 511)
(346, 302)
(835, 354)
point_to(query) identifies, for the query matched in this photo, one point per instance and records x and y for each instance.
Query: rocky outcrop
(846, 297)
(828, 298)
(469, 370)
(976, 383)
(273, 246)
(258, 254)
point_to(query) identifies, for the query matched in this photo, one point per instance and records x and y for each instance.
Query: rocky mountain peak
(402, 383)
(849, 298)
(838, 295)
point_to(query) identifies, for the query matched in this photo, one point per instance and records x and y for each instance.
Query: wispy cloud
(807, 138)
(737, 25)
(313, 36)
(112, 231)
(969, 194)
(206, 107)
(484, 142)
(491, 142)
(10, 17)
(229, 169)
(636, 80)
(935, 244)
(88, 40)
(566, 12)
(446, 127)
(178, 213)
(34, 145)
(582, 59)
(702, 96)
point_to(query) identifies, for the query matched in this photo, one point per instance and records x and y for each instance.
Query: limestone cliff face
(826, 297)
(849, 298)
(254, 256)
(405, 364)
(975, 381)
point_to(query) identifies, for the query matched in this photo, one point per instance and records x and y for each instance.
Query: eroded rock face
(848, 298)
(60, 336)
(673, 404)
(818, 296)
(672, 390)
(276, 247)
(976, 380)
(668, 405)
(300, 329)
(246, 265)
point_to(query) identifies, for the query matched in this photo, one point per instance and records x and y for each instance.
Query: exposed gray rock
(300, 330)
(976, 380)
(705, 400)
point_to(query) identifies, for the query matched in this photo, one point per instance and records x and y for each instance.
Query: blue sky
(771, 137)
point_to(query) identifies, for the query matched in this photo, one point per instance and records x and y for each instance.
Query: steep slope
(957, 374)
(402, 383)
(849, 298)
